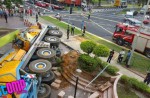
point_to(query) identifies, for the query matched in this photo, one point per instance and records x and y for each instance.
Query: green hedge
(101, 50)
(87, 46)
(8, 38)
(135, 84)
(112, 70)
(88, 63)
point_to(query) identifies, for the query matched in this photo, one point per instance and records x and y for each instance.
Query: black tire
(34, 66)
(53, 40)
(147, 53)
(41, 53)
(49, 79)
(55, 33)
(120, 41)
(46, 91)
(52, 28)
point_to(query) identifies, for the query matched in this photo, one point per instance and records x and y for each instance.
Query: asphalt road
(101, 23)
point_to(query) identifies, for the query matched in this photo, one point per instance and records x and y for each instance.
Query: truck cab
(121, 35)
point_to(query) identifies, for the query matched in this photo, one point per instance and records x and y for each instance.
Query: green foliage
(135, 84)
(112, 70)
(87, 46)
(7, 3)
(101, 50)
(88, 63)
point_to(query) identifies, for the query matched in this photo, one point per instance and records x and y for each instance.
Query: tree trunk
(99, 2)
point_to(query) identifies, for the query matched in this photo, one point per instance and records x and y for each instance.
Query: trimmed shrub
(101, 50)
(112, 70)
(87, 46)
(135, 84)
(87, 63)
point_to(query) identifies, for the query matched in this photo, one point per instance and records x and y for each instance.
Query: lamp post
(137, 35)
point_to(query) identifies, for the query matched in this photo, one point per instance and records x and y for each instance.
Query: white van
(143, 9)
(128, 15)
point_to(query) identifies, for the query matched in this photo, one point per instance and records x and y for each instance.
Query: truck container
(125, 34)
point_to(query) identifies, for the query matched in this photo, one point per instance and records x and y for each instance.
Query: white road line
(106, 19)
(94, 23)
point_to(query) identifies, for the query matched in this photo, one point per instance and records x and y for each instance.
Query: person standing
(84, 28)
(5, 16)
(127, 58)
(121, 55)
(89, 15)
(147, 78)
(36, 16)
(110, 56)
(68, 31)
(72, 29)
(82, 24)
(39, 25)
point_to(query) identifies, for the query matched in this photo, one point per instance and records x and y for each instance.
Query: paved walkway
(13, 23)
(74, 43)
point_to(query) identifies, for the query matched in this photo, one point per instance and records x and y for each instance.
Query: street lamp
(137, 35)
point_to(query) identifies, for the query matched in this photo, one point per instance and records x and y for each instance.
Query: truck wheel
(53, 40)
(45, 91)
(147, 53)
(55, 33)
(46, 53)
(49, 79)
(40, 66)
(120, 41)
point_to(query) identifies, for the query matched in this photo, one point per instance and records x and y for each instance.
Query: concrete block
(70, 97)
(54, 68)
(57, 73)
(58, 81)
(94, 95)
(55, 85)
(61, 94)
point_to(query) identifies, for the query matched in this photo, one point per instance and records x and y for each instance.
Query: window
(118, 29)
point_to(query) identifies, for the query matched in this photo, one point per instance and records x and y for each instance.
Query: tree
(99, 2)
(87, 46)
(101, 50)
(7, 3)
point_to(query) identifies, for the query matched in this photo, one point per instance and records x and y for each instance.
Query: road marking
(94, 23)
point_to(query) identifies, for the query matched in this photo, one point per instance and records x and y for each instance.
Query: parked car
(40, 4)
(128, 15)
(57, 7)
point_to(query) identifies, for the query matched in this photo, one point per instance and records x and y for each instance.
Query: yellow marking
(46, 53)
(40, 66)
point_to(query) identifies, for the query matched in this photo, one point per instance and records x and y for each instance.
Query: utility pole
(137, 35)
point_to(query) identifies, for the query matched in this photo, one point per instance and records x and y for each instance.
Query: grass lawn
(123, 93)
(8, 38)
(138, 63)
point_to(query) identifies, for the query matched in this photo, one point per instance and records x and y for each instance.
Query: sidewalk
(74, 43)
(13, 23)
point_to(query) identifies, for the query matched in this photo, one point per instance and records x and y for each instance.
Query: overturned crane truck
(25, 70)
(125, 34)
